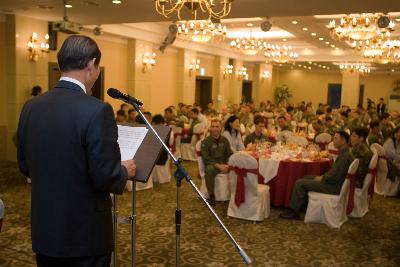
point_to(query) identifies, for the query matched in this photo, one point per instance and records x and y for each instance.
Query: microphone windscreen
(114, 93)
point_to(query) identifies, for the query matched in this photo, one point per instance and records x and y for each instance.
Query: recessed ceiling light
(249, 24)
(320, 66)
(68, 6)
(320, 38)
(337, 48)
(299, 65)
(284, 39)
(309, 62)
(323, 67)
(117, 2)
(328, 68)
(333, 46)
(327, 43)
(309, 68)
(294, 22)
(392, 70)
(305, 67)
(305, 29)
(313, 34)
(398, 19)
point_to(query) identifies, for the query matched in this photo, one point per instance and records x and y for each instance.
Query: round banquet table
(281, 186)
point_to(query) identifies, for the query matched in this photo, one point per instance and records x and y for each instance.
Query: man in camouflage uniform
(283, 124)
(329, 183)
(386, 126)
(361, 151)
(215, 151)
(355, 121)
(318, 127)
(375, 135)
(194, 119)
(330, 126)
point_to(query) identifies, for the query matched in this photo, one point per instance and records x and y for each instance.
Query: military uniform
(188, 138)
(375, 138)
(214, 151)
(331, 182)
(387, 130)
(364, 154)
(211, 112)
(331, 130)
(253, 138)
(354, 124)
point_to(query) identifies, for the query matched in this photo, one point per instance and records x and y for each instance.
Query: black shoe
(289, 215)
(211, 201)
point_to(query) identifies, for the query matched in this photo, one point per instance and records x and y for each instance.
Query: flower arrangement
(282, 94)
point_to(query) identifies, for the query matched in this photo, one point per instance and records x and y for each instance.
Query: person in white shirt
(232, 133)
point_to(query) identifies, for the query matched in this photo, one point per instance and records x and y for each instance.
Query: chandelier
(192, 9)
(34, 48)
(279, 54)
(362, 68)
(201, 30)
(247, 45)
(378, 50)
(362, 26)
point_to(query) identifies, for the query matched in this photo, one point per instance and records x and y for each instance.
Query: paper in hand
(129, 140)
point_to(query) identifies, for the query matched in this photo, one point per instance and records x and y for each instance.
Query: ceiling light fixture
(305, 29)
(313, 34)
(193, 9)
(117, 2)
(294, 22)
(320, 38)
(363, 26)
(280, 54)
(68, 5)
(201, 30)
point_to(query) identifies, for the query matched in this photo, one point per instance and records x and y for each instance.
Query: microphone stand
(180, 174)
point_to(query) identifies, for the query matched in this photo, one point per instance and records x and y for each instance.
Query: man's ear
(91, 64)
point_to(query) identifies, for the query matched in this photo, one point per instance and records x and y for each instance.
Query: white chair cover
(177, 142)
(284, 135)
(383, 185)
(330, 209)
(162, 173)
(298, 140)
(361, 195)
(333, 151)
(188, 150)
(323, 139)
(200, 163)
(256, 206)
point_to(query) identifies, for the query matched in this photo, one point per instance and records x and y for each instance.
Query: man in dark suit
(67, 145)
(381, 107)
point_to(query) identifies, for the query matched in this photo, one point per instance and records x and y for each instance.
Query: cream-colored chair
(298, 140)
(361, 194)
(331, 209)
(162, 173)
(256, 203)
(284, 135)
(177, 140)
(333, 151)
(140, 185)
(188, 149)
(221, 186)
(323, 140)
(383, 185)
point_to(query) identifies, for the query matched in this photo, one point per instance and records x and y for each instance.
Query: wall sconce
(148, 61)
(34, 48)
(227, 71)
(265, 75)
(242, 72)
(194, 66)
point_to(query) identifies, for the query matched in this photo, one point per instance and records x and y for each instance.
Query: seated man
(329, 183)
(194, 119)
(330, 126)
(375, 135)
(318, 127)
(283, 125)
(361, 151)
(215, 151)
(257, 136)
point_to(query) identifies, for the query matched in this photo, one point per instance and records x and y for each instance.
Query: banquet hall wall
(168, 82)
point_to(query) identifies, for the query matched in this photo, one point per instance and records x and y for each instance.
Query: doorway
(334, 95)
(247, 91)
(55, 74)
(203, 93)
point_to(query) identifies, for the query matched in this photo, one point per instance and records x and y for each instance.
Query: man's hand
(318, 178)
(130, 166)
(223, 168)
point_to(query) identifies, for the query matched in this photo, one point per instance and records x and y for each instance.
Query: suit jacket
(381, 108)
(67, 144)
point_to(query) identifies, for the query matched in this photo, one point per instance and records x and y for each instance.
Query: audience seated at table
(257, 136)
(361, 151)
(215, 151)
(283, 124)
(329, 183)
(232, 133)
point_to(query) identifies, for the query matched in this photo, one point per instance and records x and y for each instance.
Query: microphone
(115, 93)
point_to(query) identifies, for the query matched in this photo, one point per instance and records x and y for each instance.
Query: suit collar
(68, 85)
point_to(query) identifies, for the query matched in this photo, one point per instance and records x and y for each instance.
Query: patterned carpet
(371, 241)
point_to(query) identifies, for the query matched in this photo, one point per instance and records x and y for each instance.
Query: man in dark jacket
(67, 145)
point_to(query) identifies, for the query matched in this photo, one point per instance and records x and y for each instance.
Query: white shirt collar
(75, 81)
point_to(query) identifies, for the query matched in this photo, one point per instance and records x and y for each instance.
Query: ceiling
(133, 16)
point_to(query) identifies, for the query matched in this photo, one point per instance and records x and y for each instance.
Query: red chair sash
(373, 172)
(240, 173)
(322, 145)
(350, 201)
(334, 152)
